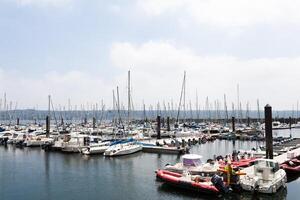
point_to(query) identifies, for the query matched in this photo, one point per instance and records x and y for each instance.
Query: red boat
(291, 166)
(196, 184)
(237, 164)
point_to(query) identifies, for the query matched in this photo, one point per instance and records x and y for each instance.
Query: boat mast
(144, 112)
(297, 112)
(197, 105)
(226, 111)
(191, 111)
(49, 106)
(180, 100)
(129, 104)
(118, 107)
(4, 106)
(184, 108)
(114, 108)
(233, 110)
(258, 111)
(238, 103)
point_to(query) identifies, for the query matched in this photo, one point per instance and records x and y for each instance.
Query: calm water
(31, 173)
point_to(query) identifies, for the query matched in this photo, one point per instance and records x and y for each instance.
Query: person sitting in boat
(229, 174)
(234, 155)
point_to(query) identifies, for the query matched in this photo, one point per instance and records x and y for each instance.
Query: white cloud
(156, 74)
(30, 91)
(157, 71)
(229, 13)
(55, 3)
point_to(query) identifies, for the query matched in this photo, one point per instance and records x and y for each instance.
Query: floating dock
(293, 145)
(167, 150)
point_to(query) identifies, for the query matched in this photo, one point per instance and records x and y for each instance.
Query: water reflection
(31, 173)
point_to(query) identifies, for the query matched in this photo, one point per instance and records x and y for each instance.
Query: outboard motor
(5, 141)
(219, 184)
(20, 144)
(47, 146)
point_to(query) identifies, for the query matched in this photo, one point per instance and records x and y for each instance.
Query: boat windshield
(266, 163)
(191, 162)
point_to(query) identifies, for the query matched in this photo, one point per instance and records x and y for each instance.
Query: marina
(149, 100)
(50, 174)
(91, 164)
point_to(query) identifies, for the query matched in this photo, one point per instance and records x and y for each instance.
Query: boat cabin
(265, 169)
(192, 160)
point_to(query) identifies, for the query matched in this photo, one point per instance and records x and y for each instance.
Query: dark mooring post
(168, 124)
(18, 121)
(85, 120)
(47, 126)
(233, 124)
(248, 121)
(158, 127)
(62, 121)
(268, 132)
(94, 122)
(290, 122)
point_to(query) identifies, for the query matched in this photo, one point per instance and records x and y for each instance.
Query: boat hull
(174, 179)
(122, 152)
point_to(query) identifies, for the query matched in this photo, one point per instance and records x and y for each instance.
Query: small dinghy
(242, 163)
(291, 166)
(214, 185)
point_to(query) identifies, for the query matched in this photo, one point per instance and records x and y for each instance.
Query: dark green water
(31, 173)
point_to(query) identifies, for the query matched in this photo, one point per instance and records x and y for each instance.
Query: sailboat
(129, 146)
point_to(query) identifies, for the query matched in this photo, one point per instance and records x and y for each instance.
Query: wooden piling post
(233, 124)
(290, 122)
(268, 132)
(47, 126)
(18, 121)
(158, 127)
(94, 122)
(168, 124)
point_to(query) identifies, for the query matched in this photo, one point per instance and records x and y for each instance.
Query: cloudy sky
(82, 50)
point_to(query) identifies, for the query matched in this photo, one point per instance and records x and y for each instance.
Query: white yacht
(95, 148)
(264, 176)
(74, 142)
(37, 139)
(18, 137)
(121, 149)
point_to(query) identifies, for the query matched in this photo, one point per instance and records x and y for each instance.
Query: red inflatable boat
(202, 186)
(291, 166)
(237, 164)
